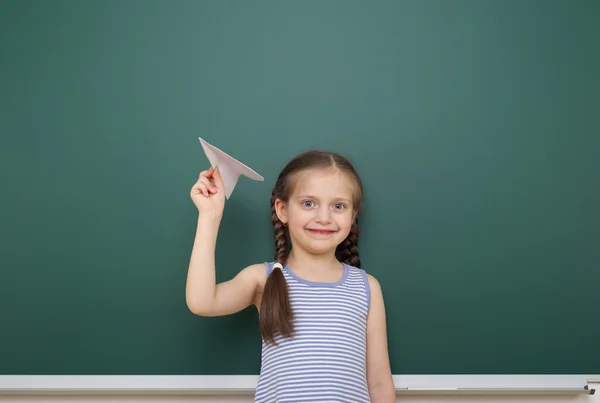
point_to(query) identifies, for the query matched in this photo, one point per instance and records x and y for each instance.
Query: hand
(208, 193)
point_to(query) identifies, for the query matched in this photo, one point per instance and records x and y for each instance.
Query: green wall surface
(474, 125)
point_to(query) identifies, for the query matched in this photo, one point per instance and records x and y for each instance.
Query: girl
(322, 318)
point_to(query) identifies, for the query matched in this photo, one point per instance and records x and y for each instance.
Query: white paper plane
(229, 167)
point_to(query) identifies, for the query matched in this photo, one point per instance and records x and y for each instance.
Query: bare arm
(203, 296)
(379, 374)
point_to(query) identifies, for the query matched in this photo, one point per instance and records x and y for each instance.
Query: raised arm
(203, 296)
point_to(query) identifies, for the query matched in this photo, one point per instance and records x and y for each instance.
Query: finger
(202, 188)
(208, 184)
(206, 173)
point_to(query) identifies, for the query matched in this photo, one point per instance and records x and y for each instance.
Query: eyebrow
(314, 197)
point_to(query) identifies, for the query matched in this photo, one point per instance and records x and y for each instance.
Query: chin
(317, 247)
(321, 248)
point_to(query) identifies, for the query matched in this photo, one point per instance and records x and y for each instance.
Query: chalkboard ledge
(245, 384)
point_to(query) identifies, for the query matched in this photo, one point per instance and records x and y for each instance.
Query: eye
(339, 206)
(307, 203)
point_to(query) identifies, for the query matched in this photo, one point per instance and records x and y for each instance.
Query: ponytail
(348, 250)
(275, 309)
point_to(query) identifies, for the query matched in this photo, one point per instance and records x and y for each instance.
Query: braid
(348, 250)
(281, 250)
(275, 309)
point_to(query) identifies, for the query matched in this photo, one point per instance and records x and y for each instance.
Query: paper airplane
(229, 167)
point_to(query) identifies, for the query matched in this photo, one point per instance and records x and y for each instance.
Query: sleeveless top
(325, 360)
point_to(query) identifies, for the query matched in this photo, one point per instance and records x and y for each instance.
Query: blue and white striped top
(325, 360)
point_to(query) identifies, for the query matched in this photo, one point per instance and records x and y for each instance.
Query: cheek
(345, 222)
(299, 219)
(344, 217)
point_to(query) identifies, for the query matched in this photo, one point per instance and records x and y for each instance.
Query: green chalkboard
(474, 124)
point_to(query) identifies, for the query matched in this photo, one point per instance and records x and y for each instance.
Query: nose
(323, 215)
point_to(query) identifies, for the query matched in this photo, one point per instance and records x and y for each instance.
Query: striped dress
(325, 361)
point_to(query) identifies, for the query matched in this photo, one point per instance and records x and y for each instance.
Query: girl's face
(319, 213)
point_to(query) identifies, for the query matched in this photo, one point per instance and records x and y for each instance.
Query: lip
(320, 231)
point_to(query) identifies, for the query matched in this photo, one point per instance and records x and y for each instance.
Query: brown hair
(275, 311)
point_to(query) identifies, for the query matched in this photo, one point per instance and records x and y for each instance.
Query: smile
(320, 231)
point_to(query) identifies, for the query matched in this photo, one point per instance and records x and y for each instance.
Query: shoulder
(252, 276)
(373, 288)
(255, 275)
(256, 272)
(373, 283)
(375, 294)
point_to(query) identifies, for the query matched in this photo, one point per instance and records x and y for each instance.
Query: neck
(305, 260)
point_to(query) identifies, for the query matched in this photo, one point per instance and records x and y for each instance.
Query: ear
(354, 214)
(281, 210)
